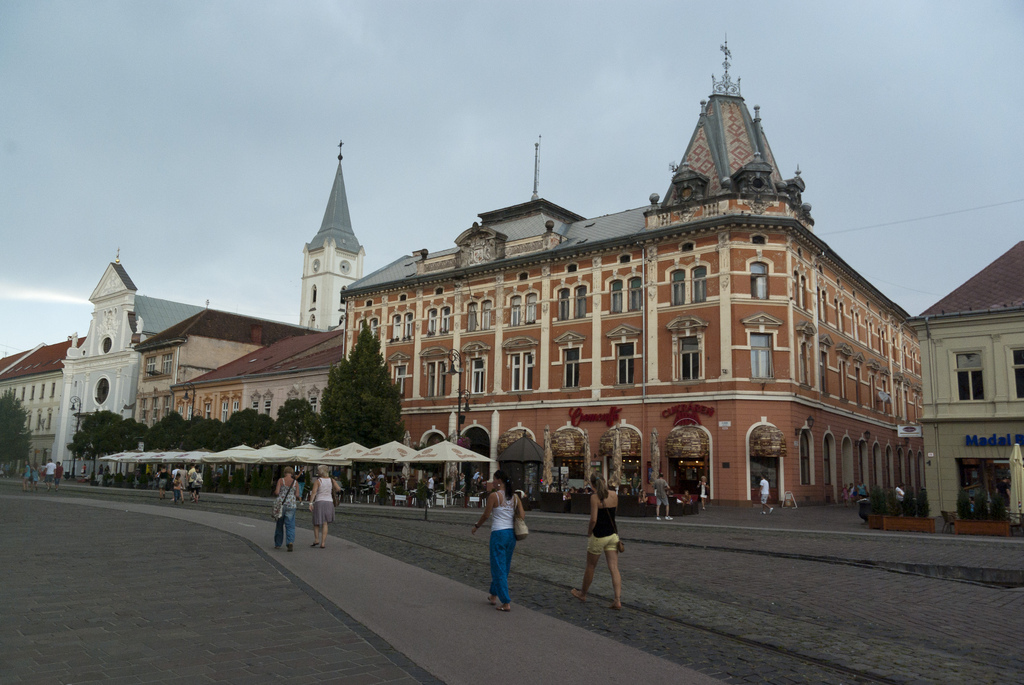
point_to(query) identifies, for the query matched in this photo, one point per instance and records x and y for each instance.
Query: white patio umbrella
(241, 454)
(307, 454)
(387, 453)
(193, 457)
(275, 454)
(1016, 482)
(444, 452)
(341, 456)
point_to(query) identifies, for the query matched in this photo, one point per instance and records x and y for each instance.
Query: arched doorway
(847, 460)
(629, 451)
(568, 456)
(767, 450)
(688, 451)
(479, 442)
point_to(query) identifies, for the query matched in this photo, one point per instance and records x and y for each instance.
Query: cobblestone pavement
(93, 595)
(727, 600)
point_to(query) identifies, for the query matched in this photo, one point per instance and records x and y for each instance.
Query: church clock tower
(331, 262)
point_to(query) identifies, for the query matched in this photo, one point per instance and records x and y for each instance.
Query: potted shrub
(238, 481)
(106, 480)
(909, 519)
(129, 480)
(382, 491)
(982, 516)
(118, 480)
(878, 508)
(923, 510)
(422, 493)
(144, 480)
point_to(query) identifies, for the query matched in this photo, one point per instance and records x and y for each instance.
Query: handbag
(278, 510)
(620, 546)
(519, 523)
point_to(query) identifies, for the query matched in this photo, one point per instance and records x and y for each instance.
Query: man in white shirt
(764, 496)
(51, 468)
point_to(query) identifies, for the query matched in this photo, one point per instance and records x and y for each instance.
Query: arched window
(485, 315)
(563, 304)
(679, 287)
(616, 305)
(432, 322)
(446, 320)
(374, 326)
(581, 301)
(699, 288)
(408, 326)
(396, 326)
(531, 308)
(805, 458)
(636, 295)
(312, 320)
(471, 323)
(759, 281)
(516, 313)
(314, 294)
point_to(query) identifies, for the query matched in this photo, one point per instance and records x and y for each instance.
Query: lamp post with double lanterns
(75, 406)
(190, 394)
(455, 369)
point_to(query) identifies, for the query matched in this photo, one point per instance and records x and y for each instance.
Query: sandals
(492, 599)
(504, 607)
(578, 595)
(315, 544)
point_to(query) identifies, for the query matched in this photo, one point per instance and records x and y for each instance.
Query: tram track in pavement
(360, 521)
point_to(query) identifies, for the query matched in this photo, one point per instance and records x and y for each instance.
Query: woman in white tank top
(502, 507)
(321, 503)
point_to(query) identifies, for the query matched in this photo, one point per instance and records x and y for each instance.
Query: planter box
(875, 521)
(967, 527)
(912, 524)
(553, 502)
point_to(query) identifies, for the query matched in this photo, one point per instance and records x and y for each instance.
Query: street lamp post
(455, 369)
(190, 393)
(75, 406)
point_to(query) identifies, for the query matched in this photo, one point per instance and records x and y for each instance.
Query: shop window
(563, 304)
(485, 315)
(1018, 372)
(689, 359)
(759, 281)
(471, 317)
(531, 308)
(969, 377)
(516, 311)
(636, 294)
(616, 306)
(761, 355)
(699, 289)
(678, 287)
(624, 355)
(571, 360)
(436, 375)
(581, 302)
(478, 370)
(521, 368)
(407, 333)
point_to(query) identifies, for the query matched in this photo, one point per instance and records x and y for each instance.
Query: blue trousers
(503, 544)
(285, 524)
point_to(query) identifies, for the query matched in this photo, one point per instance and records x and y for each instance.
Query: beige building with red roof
(264, 379)
(972, 353)
(35, 376)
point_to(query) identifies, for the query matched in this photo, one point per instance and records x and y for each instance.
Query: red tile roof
(307, 351)
(212, 323)
(999, 285)
(46, 359)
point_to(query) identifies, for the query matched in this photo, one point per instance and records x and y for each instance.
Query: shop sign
(610, 417)
(994, 440)
(909, 432)
(688, 411)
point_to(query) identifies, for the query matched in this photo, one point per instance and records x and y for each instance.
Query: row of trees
(360, 404)
(15, 436)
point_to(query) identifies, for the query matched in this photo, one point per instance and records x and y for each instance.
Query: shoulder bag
(519, 523)
(278, 510)
(620, 545)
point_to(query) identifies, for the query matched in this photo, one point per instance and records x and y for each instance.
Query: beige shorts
(602, 545)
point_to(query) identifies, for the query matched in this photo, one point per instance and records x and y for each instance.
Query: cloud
(22, 293)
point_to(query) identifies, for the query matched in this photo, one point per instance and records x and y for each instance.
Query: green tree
(168, 433)
(204, 434)
(247, 427)
(296, 424)
(15, 435)
(361, 403)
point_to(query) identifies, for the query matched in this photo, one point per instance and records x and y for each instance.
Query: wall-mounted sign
(909, 431)
(609, 418)
(725, 424)
(686, 412)
(994, 440)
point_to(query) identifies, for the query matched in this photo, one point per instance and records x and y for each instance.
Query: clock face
(345, 266)
(316, 265)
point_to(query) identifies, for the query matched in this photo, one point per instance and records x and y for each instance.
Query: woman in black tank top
(602, 538)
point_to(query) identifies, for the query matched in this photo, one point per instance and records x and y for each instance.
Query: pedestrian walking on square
(321, 503)
(58, 473)
(162, 480)
(661, 497)
(602, 537)
(703, 492)
(179, 494)
(26, 478)
(287, 492)
(48, 472)
(503, 506)
(764, 495)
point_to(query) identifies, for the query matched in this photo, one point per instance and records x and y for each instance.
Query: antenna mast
(536, 167)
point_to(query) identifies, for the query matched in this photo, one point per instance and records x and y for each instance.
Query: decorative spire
(337, 223)
(725, 86)
(340, 143)
(117, 258)
(536, 168)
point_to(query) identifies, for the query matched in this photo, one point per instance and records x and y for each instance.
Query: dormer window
(758, 240)
(368, 303)
(686, 247)
(571, 268)
(624, 259)
(439, 291)
(401, 298)
(523, 276)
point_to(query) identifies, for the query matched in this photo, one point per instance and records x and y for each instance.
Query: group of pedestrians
(178, 482)
(50, 473)
(322, 502)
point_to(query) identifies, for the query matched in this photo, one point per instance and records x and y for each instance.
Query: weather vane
(340, 143)
(725, 86)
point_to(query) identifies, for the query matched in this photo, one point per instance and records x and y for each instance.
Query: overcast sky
(200, 137)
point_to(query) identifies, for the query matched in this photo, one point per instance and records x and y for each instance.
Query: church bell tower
(331, 262)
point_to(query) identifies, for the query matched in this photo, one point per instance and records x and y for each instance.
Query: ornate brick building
(713, 331)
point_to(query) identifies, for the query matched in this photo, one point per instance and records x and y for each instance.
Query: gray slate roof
(337, 223)
(159, 314)
(587, 231)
